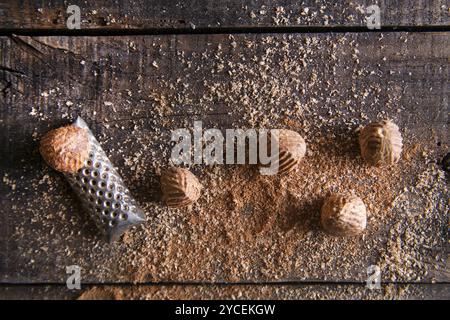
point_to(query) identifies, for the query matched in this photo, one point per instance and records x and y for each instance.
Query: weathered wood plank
(234, 292)
(204, 14)
(133, 90)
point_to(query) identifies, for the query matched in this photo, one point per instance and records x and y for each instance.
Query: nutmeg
(381, 143)
(291, 149)
(65, 149)
(179, 187)
(343, 215)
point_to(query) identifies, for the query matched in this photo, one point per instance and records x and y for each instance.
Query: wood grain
(133, 90)
(206, 14)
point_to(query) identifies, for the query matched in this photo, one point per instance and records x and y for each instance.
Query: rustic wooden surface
(41, 74)
(205, 14)
(48, 81)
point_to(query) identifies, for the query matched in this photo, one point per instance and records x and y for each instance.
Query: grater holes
(103, 192)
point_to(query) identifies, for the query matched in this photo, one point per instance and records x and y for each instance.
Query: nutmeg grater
(103, 192)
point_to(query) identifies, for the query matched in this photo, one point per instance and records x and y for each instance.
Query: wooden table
(137, 70)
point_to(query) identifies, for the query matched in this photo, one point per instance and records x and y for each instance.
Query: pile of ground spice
(259, 228)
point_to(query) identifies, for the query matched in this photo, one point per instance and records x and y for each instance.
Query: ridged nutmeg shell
(292, 148)
(381, 143)
(179, 187)
(343, 215)
(65, 149)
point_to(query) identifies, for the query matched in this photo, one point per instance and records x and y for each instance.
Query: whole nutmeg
(291, 149)
(381, 143)
(343, 215)
(65, 149)
(179, 187)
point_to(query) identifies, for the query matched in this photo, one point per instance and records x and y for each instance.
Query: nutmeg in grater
(75, 152)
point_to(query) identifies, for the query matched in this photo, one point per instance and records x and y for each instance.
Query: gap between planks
(220, 30)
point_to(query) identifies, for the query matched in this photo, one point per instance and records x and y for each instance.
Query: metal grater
(103, 193)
